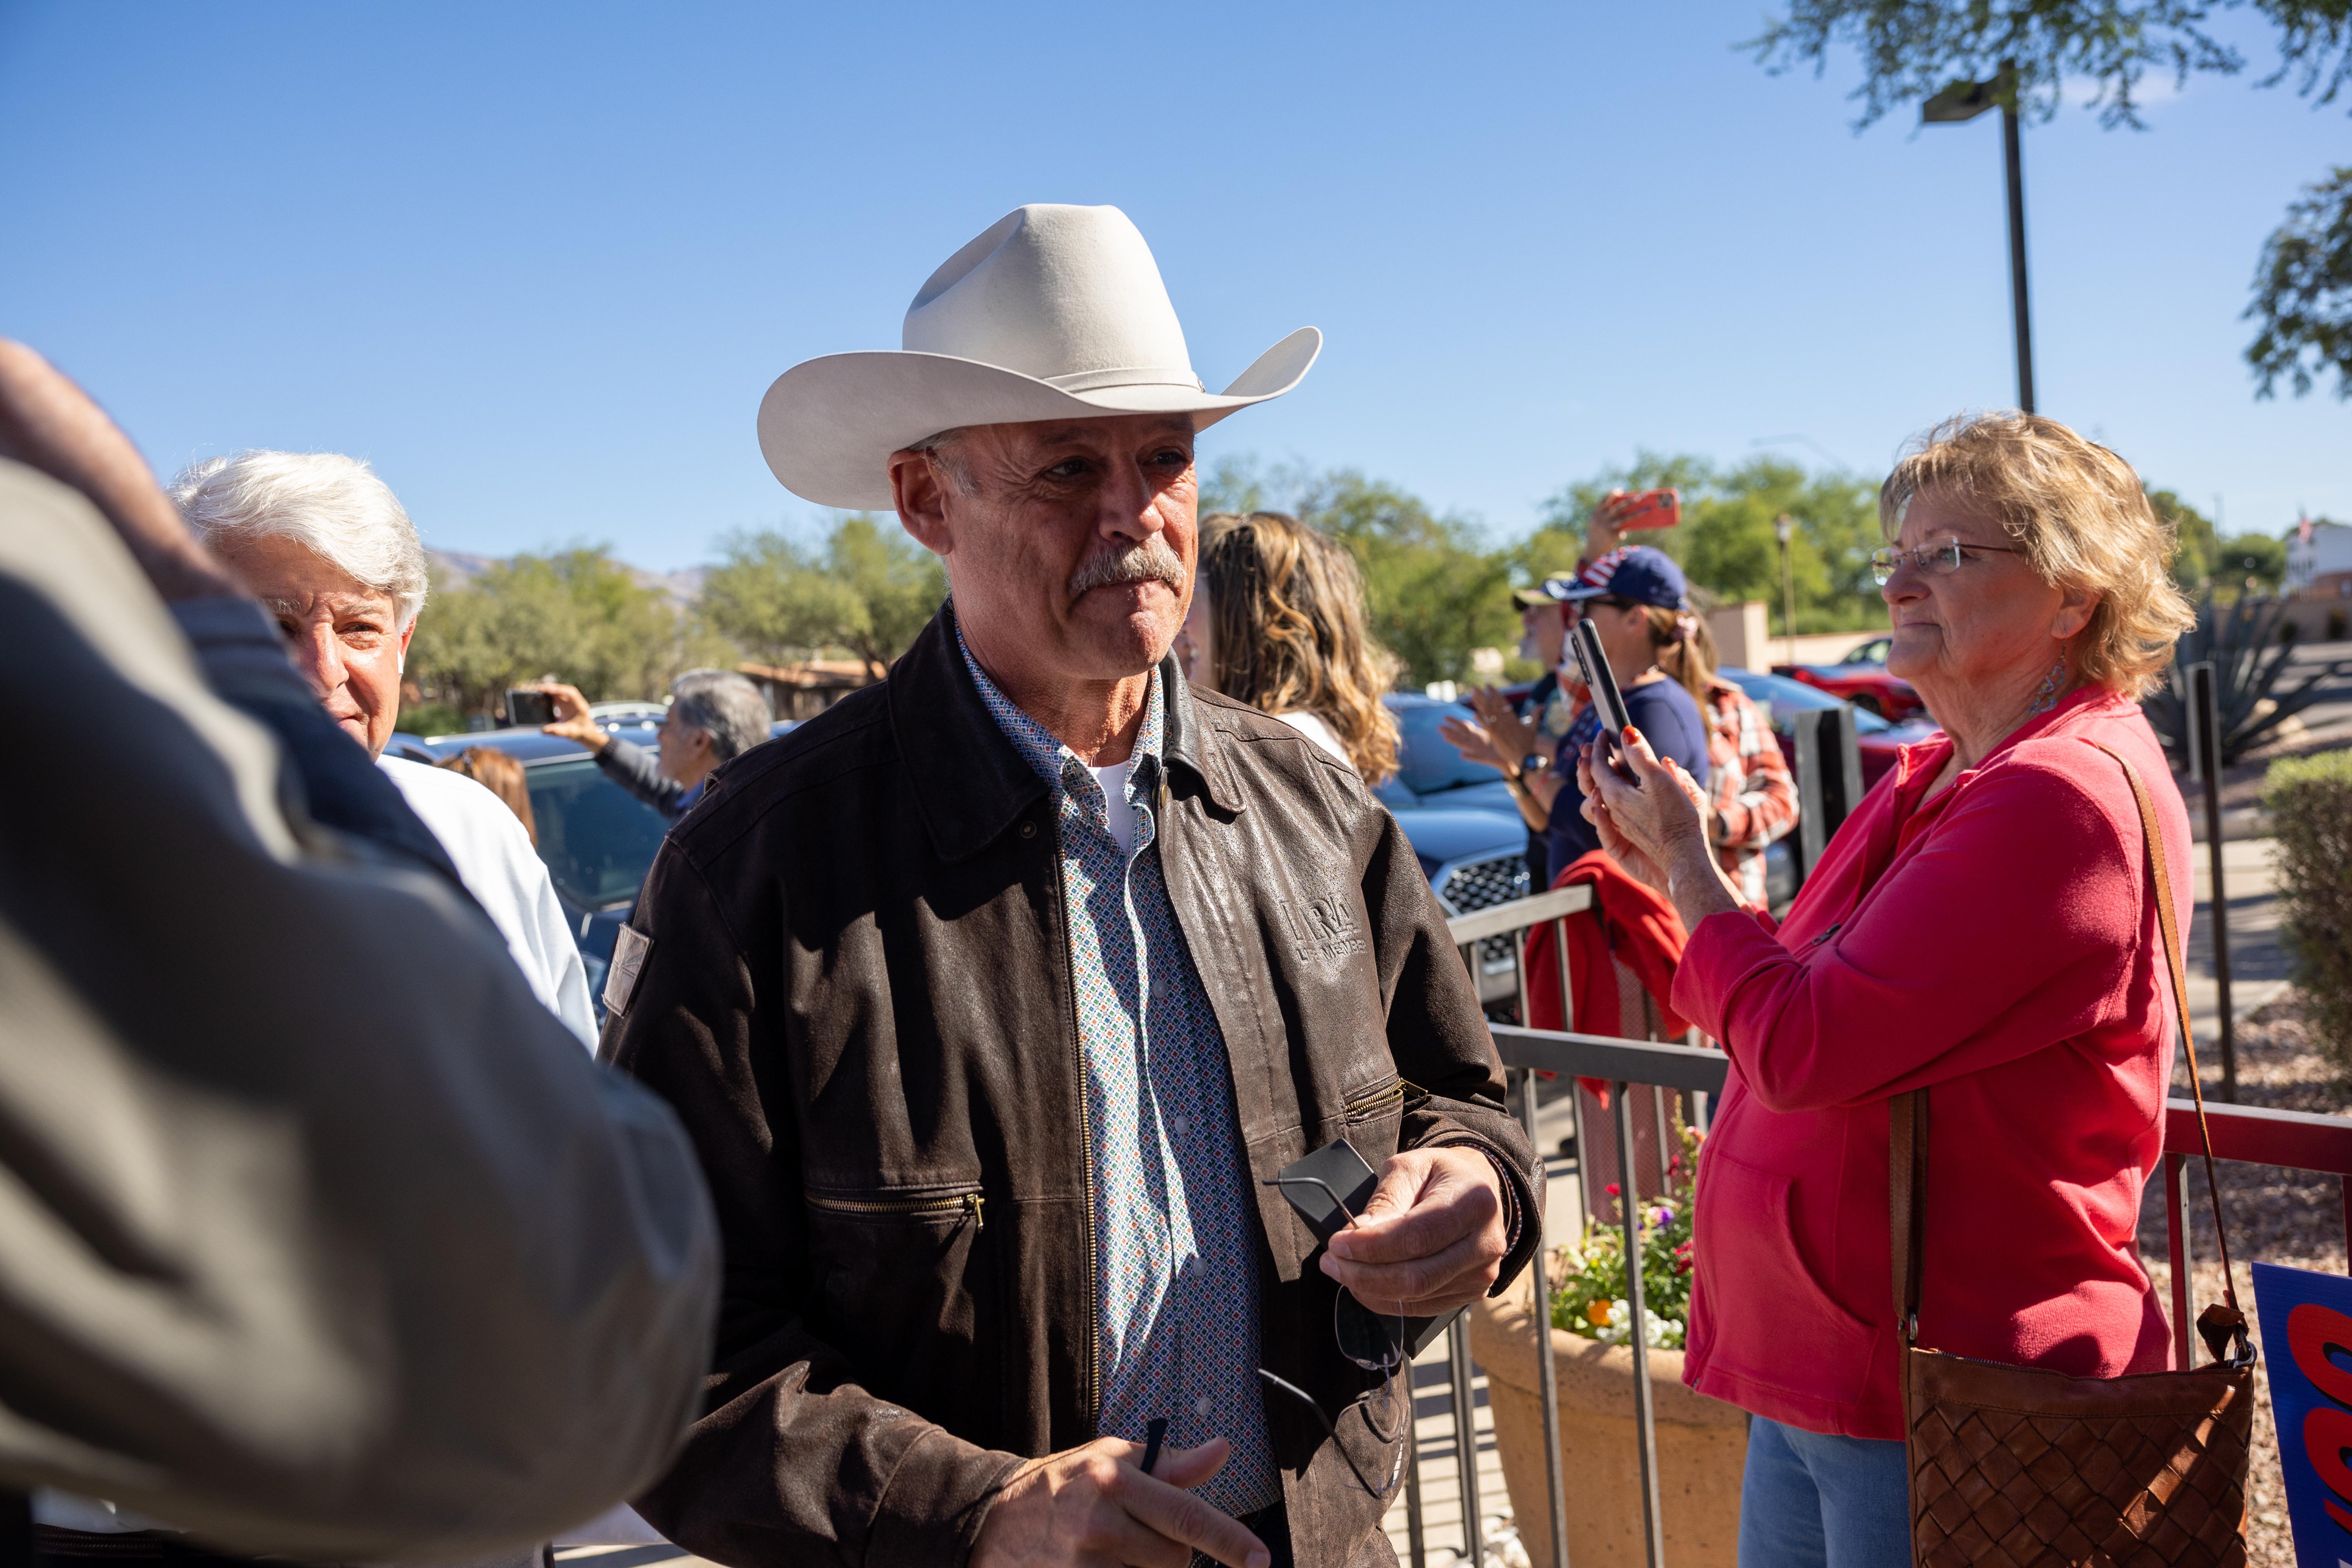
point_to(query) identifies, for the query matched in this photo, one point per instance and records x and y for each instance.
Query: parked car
(1464, 829)
(1878, 740)
(597, 838)
(1872, 652)
(1861, 678)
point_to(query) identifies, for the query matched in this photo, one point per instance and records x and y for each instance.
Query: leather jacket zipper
(971, 1202)
(1374, 1101)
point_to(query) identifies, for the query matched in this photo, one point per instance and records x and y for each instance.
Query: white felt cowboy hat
(1054, 312)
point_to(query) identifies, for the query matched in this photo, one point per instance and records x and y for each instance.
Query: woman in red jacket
(1983, 923)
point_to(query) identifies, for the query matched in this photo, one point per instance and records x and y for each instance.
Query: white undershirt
(1113, 780)
(1315, 730)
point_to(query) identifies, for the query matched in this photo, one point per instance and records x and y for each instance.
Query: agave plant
(2247, 659)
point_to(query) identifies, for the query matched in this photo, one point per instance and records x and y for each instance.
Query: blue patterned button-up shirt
(1175, 1251)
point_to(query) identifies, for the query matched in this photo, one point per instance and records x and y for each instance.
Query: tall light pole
(1964, 100)
(1782, 527)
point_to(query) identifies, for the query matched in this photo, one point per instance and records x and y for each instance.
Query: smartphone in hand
(1607, 699)
(527, 707)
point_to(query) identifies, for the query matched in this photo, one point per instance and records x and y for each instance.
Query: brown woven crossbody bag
(2015, 1467)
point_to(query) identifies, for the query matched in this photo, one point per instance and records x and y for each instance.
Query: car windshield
(1784, 697)
(598, 840)
(1426, 761)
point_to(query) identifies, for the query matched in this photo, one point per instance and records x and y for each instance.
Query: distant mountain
(455, 569)
(452, 570)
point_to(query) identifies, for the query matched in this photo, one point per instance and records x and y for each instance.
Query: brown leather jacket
(857, 994)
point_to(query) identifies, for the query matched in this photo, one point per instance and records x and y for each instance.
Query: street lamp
(1782, 527)
(1964, 100)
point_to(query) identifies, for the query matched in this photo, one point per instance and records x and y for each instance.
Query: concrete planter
(1702, 1444)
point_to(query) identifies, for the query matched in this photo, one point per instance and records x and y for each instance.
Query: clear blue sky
(539, 266)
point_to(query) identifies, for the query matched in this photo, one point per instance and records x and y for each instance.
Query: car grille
(1480, 884)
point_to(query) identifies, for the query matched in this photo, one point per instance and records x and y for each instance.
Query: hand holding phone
(1607, 699)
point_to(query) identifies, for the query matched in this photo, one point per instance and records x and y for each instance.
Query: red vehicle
(1875, 738)
(1861, 678)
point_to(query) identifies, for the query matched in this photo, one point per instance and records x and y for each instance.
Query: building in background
(2319, 561)
(804, 690)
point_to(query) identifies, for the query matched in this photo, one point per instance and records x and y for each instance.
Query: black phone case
(1602, 681)
(525, 709)
(1345, 1172)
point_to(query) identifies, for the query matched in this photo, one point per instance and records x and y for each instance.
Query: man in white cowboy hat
(995, 996)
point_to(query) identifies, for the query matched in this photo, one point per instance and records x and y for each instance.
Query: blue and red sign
(2308, 1351)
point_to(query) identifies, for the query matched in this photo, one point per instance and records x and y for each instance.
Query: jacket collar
(971, 783)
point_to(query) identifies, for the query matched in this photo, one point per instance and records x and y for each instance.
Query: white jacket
(493, 854)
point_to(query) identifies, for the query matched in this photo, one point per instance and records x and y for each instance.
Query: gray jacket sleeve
(318, 1234)
(633, 769)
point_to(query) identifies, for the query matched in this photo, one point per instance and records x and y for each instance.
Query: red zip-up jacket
(1999, 944)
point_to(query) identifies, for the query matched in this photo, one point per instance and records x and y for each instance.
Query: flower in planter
(1590, 1297)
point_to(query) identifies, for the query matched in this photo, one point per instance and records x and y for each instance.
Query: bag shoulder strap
(1906, 1161)
(1907, 1172)
(2153, 835)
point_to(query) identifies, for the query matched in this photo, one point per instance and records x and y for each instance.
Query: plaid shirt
(1755, 798)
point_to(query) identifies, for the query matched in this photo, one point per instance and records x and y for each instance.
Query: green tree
(896, 582)
(866, 587)
(1726, 541)
(2208, 563)
(2256, 561)
(2192, 564)
(1433, 591)
(774, 599)
(574, 613)
(1910, 50)
(2303, 293)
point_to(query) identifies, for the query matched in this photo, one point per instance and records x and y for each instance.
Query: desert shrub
(2310, 804)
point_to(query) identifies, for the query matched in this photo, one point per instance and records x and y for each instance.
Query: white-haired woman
(1984, 927)
(326, 547)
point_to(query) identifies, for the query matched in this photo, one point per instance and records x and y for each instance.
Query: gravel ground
(2290, 1217)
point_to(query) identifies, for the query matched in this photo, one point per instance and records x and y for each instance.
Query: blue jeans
(1812, 1501)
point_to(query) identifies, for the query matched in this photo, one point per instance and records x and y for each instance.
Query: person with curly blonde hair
(1280, 607)
(1983, 928)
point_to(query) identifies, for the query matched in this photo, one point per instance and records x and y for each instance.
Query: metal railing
(2291, 1139)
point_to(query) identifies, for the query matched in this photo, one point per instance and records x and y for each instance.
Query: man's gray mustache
(1152, 560)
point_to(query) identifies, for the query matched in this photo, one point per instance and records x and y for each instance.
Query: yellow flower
(1596, 1314)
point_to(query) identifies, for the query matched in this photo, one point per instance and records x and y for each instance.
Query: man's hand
(1090, 1507)
(1431, 1239)
(571, 719)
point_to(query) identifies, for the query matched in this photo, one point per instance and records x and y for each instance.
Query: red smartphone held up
(1630, 509)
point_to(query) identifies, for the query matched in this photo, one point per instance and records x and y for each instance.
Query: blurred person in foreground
(326, 547)
(995, 994)
(1279, 609)
(324, 1238)
(715, 715)
(503, 776)
(1985, 923)
(1636, 598)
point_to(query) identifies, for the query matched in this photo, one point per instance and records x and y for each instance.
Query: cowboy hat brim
(828, 425)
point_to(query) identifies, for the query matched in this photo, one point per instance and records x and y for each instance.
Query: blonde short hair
(2082, 519)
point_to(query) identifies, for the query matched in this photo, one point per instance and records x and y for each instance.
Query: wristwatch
(1534, 763)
